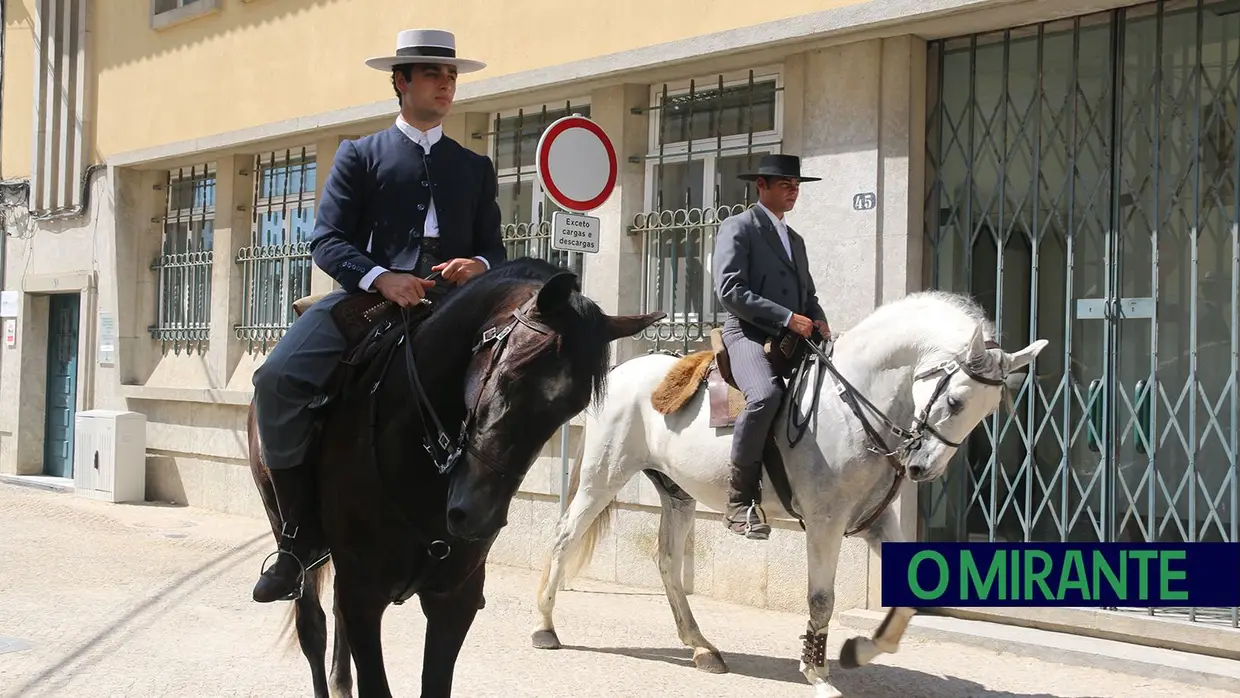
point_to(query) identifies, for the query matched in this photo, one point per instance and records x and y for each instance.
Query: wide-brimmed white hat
(425, 46)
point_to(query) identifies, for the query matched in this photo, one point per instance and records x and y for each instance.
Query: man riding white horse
(762, 279)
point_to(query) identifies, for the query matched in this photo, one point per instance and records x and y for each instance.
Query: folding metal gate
(1083, 183)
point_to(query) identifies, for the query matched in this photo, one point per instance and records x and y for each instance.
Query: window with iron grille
(276, 265)
(703, 133)
(183, 267)
(525, 209)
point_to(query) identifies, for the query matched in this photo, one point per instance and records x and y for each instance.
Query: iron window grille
(703, 133)
(183, 267)
(276, 265)
(525, 209)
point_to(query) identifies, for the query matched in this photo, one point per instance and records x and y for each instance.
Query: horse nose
(457, 518)
(917, 472)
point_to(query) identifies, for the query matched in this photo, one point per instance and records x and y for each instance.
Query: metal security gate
(1083, 184)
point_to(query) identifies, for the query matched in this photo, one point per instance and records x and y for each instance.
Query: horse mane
(583, 342)
(941, 322)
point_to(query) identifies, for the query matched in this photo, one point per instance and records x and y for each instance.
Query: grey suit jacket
(755, 280)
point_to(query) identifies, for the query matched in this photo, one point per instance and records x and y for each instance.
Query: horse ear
(977, 344)
(1023, 357)
(557, 290)
(628, 325)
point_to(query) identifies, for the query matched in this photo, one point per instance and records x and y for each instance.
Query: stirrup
(760, 530)
(301, 574)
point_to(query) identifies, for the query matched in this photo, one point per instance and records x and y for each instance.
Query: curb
(1064, 648)
(25, 481)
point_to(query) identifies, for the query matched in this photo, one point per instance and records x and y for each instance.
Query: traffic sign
(574, 233)
(576, 164)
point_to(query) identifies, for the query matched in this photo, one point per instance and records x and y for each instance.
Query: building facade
(1074, 165)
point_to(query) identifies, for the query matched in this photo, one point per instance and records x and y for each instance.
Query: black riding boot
(301, 546)
(742, 516)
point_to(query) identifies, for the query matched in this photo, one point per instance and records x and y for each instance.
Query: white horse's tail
(581, 554)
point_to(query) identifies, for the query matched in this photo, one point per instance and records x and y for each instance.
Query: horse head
(536, 364)
(952, 395)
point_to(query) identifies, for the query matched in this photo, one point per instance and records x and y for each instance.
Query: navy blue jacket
(374, 188)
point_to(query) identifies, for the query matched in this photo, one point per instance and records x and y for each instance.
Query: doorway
(64, 313)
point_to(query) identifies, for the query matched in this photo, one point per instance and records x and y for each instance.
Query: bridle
(910, 439)
(443, 451)
(449, 452)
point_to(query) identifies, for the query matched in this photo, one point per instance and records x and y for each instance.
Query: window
(703, 133)
(165, 13)
(183, 267)
(276, 266)
(524, 207)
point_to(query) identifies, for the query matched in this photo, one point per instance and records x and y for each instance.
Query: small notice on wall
(10, 332)
(9, 301)
(107, 339)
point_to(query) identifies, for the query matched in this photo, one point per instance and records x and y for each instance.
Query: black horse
(422, 450)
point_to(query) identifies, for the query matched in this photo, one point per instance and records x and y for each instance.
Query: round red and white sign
(576, 164)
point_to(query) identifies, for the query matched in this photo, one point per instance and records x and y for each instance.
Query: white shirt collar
(780, 225)
(423, 138)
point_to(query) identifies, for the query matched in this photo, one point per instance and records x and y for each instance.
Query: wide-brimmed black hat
(778, 166)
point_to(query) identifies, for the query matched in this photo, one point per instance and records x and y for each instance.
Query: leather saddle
(369, 324)
(726, 399)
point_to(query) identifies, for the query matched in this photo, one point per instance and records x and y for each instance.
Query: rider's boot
(743, 512)
(301, 546)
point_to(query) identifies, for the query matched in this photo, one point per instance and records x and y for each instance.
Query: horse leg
(583, 522)
(362, 610)
(823, 540)
(312, 631)
(341, 679)
(448, 619)
(674, 526)
(859, 651)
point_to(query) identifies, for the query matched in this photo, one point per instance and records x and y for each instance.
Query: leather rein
(910, 439)
(450, 452)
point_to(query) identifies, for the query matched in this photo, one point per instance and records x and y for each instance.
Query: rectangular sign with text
(1144, 575)
(574, 233)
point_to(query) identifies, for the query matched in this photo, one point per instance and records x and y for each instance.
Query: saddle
(713, 368)
(364, 320)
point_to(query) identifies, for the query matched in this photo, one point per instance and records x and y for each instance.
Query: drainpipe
(4, 257)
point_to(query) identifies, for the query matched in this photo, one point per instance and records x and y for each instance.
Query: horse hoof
(710, 663)
(848, 654)
(546, 640)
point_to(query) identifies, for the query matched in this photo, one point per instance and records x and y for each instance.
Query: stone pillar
(613, 275)
(862, 124)
(233, 214)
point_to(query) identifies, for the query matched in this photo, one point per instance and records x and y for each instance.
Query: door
(1085, 188)
(62, 364)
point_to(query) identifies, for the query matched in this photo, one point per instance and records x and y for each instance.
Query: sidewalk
(147, 600)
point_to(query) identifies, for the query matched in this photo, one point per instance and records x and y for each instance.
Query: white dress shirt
(430, 229)
(781, 226)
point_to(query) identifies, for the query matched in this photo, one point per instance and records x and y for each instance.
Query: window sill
(169, 18)
(214, 396)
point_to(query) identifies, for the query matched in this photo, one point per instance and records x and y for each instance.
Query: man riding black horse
(398, 206)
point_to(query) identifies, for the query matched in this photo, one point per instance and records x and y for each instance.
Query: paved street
(154, 601)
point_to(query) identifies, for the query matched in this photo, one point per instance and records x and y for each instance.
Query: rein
(911, 438)
(451, 452)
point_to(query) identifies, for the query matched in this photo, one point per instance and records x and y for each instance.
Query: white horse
(918, 375)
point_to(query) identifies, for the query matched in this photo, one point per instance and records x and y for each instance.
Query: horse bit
(911, 438)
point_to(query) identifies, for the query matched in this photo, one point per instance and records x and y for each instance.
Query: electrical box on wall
(109, 455)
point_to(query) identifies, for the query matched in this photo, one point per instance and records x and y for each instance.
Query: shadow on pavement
(874, 681)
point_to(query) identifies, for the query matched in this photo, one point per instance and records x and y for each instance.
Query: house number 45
(865, 201)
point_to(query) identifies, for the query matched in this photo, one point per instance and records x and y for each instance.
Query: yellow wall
(17, 119)
(267, 60)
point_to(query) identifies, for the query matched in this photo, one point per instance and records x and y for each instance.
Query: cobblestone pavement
(149, 600)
